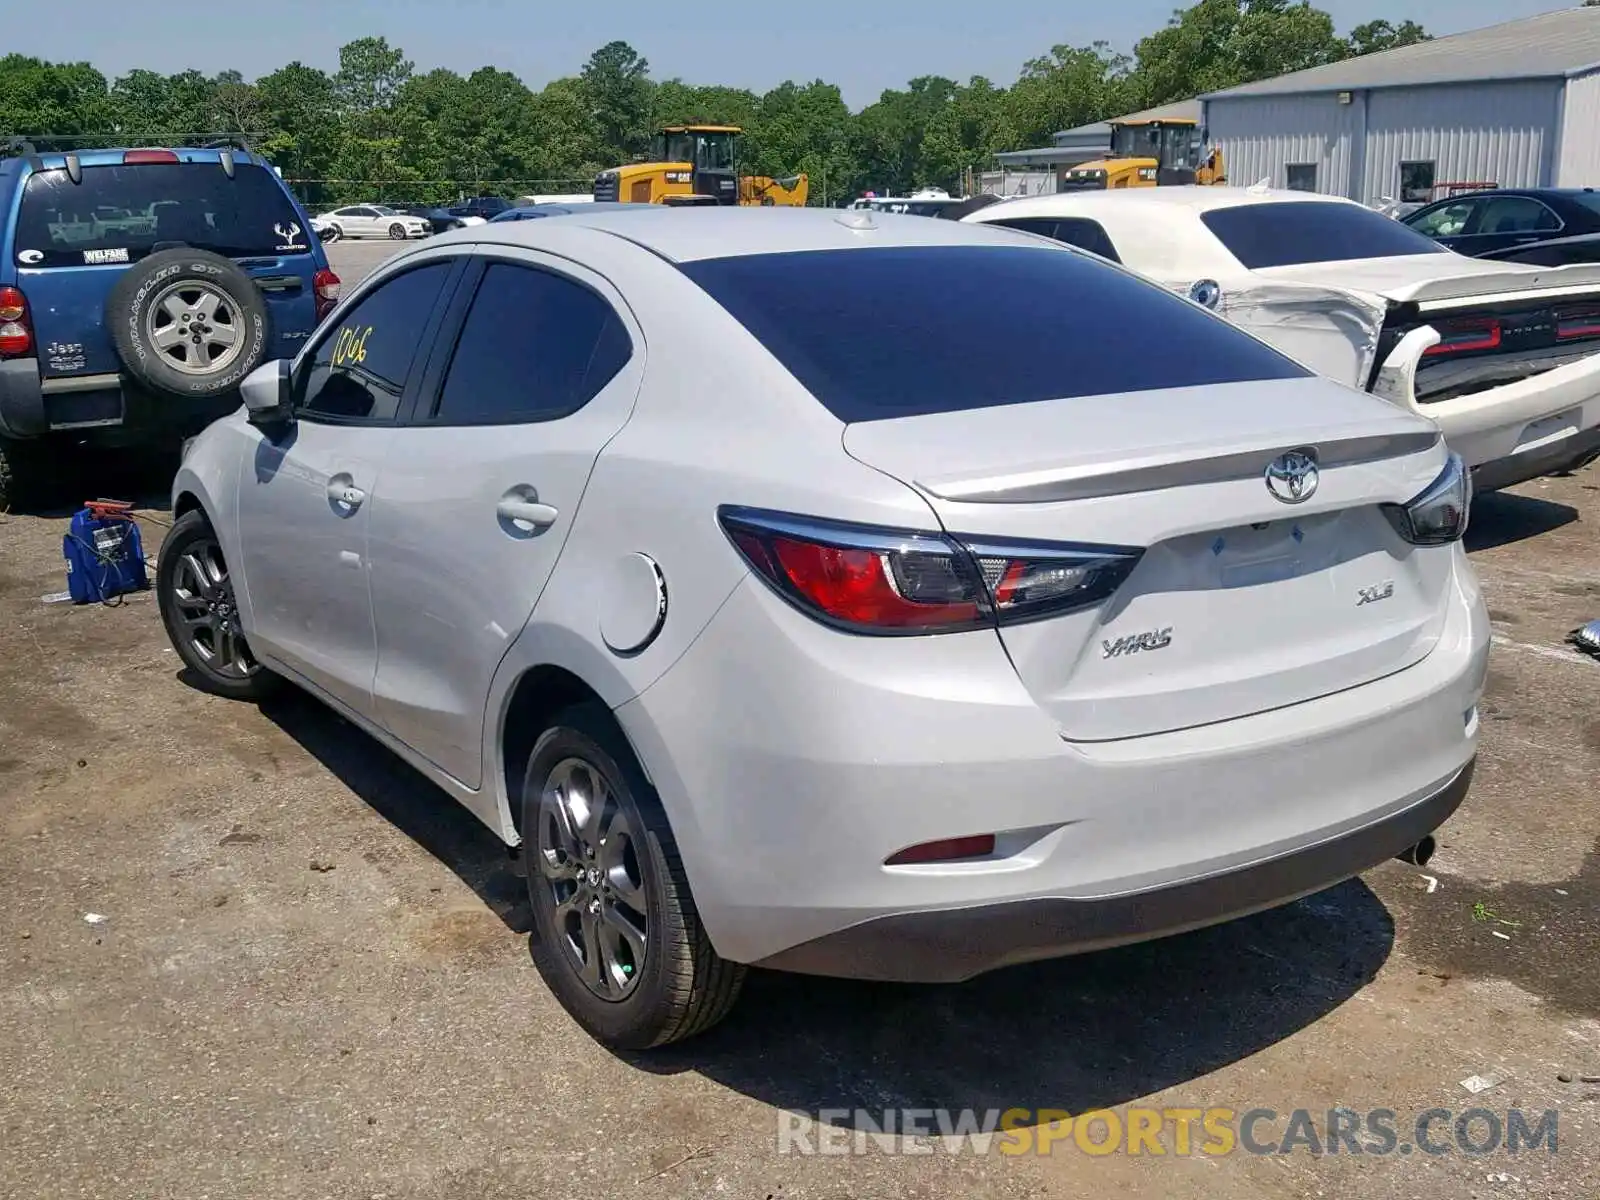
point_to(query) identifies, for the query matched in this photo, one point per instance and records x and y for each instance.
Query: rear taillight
(1439, 514)
(1577, 323)
(1465, 334)
(326, 286)
(16, 334)
(135, 158)
(870, 579)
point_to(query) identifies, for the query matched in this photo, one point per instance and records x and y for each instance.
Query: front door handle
(345, 493)
(527, 512)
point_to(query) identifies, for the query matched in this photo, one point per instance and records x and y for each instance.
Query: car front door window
(1450, 220)
(305, 501)
(358, 370)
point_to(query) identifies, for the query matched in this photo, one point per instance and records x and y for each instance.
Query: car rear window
(1587, 198)
(119, 213)
(905, 331)
(1287, 234)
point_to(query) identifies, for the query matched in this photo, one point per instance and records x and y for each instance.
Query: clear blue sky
(864, 46)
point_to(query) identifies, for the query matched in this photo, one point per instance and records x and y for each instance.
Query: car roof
(1148, 229)
(1539, 193)
(692, 233)
(557, 209)
(1191, 198)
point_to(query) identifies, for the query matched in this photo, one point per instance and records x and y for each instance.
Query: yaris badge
(1292, 477)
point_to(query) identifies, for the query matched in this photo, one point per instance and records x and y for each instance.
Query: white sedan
(977, 636)
(1502, 356)
(369, 221)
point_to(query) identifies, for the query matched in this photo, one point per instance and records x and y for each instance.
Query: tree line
(376, 128)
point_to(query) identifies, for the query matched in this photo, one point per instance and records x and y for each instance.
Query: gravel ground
(313, 976)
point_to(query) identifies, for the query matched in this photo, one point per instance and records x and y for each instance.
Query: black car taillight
(1438, 516)
(871, 579)
(1464, 334)
(1574, 323)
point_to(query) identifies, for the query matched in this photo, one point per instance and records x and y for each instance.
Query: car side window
(535, 346)
(1517, 214)
(358, 372)
(1074, 231)
(1448, 220)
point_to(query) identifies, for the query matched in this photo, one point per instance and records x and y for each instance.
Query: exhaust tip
(1419, 854)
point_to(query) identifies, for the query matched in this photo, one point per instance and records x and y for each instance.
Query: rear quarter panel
(717, 421)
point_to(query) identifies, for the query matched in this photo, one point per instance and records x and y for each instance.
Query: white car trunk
(1241, 603)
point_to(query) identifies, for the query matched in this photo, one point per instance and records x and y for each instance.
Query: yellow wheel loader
(695, 165)
(1160, 153)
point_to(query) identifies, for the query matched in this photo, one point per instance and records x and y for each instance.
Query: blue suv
(137, 289)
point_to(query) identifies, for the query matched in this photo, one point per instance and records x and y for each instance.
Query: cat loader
(1158, 153)
(696, 165)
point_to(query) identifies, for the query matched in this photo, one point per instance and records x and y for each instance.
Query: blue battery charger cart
(104, 553)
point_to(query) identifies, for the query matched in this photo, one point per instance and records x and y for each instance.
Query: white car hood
(1429, 277)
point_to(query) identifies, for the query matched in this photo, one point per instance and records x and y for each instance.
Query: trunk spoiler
(1574, 278)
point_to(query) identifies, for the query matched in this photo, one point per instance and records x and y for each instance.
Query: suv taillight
(869, 579)
(326, 285)
(16, 336)
(135, 158)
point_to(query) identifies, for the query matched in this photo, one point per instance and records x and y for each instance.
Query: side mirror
(268, 399)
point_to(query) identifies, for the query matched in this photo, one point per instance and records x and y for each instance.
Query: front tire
(397, 232)
(195, 595)
(617, 936)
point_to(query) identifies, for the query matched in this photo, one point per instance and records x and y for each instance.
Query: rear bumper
(104, 407)
(1566, 454)
(1511, 433)
(793, 762)
(951, 946)
(21, 399)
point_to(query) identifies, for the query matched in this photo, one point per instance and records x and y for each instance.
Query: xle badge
(1133, 643)
(1378, 591)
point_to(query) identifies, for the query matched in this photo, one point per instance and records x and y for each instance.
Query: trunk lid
(1241, 603)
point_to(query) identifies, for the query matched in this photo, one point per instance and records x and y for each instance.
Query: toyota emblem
(1292, 477)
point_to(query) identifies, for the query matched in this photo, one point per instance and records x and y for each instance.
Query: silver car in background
(777, 632)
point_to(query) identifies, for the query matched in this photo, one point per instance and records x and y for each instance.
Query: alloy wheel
(207, 612)
(592, 879)
(195, 327)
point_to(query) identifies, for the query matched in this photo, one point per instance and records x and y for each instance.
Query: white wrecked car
(1502, 356)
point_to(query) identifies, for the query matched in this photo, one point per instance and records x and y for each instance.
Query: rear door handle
(346, 493)
(527, 512)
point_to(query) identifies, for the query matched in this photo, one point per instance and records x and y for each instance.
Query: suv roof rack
(59, 143)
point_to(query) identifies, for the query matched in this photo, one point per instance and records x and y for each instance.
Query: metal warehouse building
(1514, 105)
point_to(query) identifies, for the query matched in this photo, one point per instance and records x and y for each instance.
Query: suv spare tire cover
(189, 276)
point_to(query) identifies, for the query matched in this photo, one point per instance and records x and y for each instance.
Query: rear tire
(617, 936)
(28, 474)
(195, 595)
